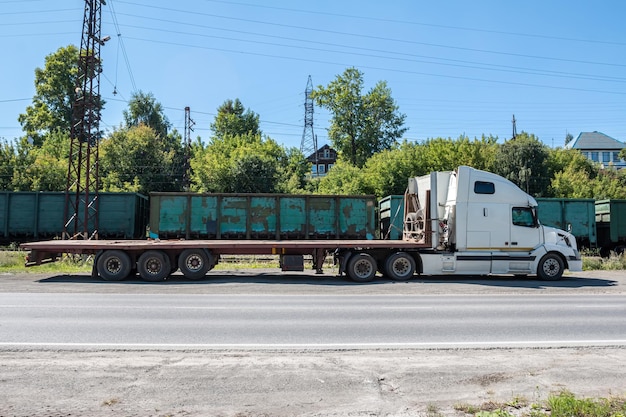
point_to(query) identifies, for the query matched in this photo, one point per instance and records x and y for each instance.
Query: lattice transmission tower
(81, 192)
(308, 145)
(189, 123)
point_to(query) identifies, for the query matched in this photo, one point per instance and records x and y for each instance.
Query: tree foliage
(239, 159)
(362, 124)
(233, 119)
(55, 85)
(239, 164)
(524, 161)
(137, 159)
(144, 109)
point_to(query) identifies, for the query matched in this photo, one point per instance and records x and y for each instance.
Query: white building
(599, 148)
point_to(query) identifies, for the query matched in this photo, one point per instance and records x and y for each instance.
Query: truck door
(523, 238)
(487, 230)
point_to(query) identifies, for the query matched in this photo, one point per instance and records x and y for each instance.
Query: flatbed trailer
(462, 222)
(154, 260)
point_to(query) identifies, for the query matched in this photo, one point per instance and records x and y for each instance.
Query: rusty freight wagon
(262, 216)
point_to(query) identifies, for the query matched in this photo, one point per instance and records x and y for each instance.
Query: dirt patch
(303, 383)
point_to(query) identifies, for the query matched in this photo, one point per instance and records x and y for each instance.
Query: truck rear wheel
(361, 267)
(194, 263)
(400, 266)
(154, 266)
(114, 265)
(550, 267)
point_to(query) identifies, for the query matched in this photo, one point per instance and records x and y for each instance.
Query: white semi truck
(462, 222)
(476, 222)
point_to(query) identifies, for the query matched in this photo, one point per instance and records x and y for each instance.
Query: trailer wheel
(194, 263)
(550, 267)
(154, 266)
(400, 266)
(114, 265)
(361, 267)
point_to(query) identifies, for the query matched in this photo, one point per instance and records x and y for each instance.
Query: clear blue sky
(454, 67)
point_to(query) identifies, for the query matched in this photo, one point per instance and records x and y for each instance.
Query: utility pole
(514, 127)
(309, 140)
(81, 192)
(189, 123)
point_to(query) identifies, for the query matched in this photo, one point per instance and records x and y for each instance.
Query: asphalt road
(261, 321)
(261, 343)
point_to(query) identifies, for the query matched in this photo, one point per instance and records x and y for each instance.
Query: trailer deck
(234, 247)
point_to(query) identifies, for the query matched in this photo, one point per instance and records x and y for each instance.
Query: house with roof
(599, 148)
(322, 161)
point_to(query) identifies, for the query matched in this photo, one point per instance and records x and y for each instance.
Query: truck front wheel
(194, 263)
(550, 267)
(114, 265)
(154, 266)
(361, 267)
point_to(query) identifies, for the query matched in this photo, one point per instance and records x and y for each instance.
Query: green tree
(144, 109)
(55, 86)
(293, 173)
(524, 161)
(41, 168)
(388, 172)
(239, 159)
(234, 120)
(239, 164)
(343, 179)
(136, 159)
(362, 124)
(7, 164)
(575, 183)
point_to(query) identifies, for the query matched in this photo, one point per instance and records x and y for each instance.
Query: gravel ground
(238, 383)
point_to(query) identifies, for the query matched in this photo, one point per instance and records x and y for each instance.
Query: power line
(373, 37)
(404, 71)
(121, 43)
(407, 22)
(461, 63)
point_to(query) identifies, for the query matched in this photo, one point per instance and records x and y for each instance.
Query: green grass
(13, 261)
(562, 404)
(612, 263)
(565, 404)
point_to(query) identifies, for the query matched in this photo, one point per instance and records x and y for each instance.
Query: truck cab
(480, 223)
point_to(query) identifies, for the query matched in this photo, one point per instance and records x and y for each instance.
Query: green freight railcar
(391, 214)
(611, 223)
(574, 214)
(27, 216)
(261, 216)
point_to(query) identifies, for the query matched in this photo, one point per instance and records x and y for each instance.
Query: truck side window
(523, 216)
(482, 187)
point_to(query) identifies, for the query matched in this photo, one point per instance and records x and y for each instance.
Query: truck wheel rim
(363, 269)
(551, 267)
(113, 265)
(194, 263)
(153, 266)
(401, 267)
